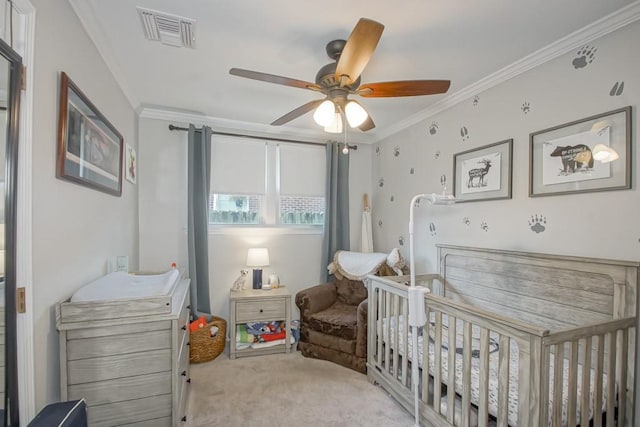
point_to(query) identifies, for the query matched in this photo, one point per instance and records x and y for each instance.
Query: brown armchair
(333, 323)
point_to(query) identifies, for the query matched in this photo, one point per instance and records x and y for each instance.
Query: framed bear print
(590, 154)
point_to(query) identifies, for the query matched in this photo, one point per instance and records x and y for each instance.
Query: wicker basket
(203, 347)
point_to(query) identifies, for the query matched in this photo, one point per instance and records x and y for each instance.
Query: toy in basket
(207, 339)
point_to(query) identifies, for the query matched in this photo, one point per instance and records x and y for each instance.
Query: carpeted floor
(286, 390)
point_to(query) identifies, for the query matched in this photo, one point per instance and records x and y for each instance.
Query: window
(266, 183)
(234, 209)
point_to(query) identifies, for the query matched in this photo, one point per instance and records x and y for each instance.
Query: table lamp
(257, 257)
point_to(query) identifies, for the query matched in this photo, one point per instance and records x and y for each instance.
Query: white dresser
(132, 370)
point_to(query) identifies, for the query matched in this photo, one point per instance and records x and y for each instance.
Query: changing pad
(121, 285)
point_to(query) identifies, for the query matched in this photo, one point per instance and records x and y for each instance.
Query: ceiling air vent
(169, 29)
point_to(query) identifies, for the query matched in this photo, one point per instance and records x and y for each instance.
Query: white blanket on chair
(356, 265)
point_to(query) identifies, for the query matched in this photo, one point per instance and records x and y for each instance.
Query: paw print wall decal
(432, 229)
(584, 57)
(396, 151)
(526, 107)
(436, 155)
(476, 99)
(466, 221)
(536, 223)
(381, 182)
(433, 128)
(401, 240)
(484, 226)
(617, 89)
(464, 133)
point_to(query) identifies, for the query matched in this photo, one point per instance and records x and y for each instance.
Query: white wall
(556, 93)
(162, 178)
(600, 224)
(75, 229)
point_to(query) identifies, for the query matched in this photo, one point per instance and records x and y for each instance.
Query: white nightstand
(256, 305)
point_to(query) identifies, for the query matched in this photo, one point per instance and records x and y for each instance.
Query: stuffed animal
(238, 285)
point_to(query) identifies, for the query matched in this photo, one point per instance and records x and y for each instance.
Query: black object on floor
(62, 414)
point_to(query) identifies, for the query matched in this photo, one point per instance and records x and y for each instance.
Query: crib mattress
(475, 367)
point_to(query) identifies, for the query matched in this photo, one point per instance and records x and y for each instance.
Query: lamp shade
(356, 115)
(325, 113)
(258, 257)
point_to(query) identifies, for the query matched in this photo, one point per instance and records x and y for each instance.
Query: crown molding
(593, 31)
(87, 16)
(246, 128)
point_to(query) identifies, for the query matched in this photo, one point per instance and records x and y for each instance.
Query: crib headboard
(551, 291)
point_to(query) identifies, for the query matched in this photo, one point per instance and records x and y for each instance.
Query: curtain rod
(174, 127)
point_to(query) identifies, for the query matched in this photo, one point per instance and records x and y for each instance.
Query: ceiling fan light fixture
(356, 115)
(325, 113)
(336, 124)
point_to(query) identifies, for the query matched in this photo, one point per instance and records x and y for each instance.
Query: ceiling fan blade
(367, 125)
(294, 114)
(404, 88)
(271, 78)
(358, 50)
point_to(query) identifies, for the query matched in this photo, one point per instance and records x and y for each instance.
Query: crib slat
(387, 348)
(437, 360)
(405, 343)
(425, 358)
(503, 381)
(597, 400)
(451, 367)
(611, 377)
(466, 373)
(623, 340)
(558, 380)
(573, 383)
(545, 372)
(396, 338)
(483, 381)
(586, 381)
(379, 327)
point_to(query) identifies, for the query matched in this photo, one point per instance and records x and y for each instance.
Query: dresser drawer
(121, 389)
(131, 411)
(88, 348)
(272, 309)
(119, 366)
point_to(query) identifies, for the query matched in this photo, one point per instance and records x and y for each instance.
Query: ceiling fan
(337, 80)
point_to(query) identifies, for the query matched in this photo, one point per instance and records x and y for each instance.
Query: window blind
(237, 165)
(302, 169)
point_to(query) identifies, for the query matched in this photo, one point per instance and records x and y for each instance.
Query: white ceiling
(464, 41)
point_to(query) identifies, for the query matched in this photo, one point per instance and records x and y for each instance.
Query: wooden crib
(530, 331)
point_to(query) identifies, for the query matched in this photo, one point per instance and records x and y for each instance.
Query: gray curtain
(336, 222)
(199, 172)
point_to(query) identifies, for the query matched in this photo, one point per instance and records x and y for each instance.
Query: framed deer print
(590, 154)
(483, 173)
